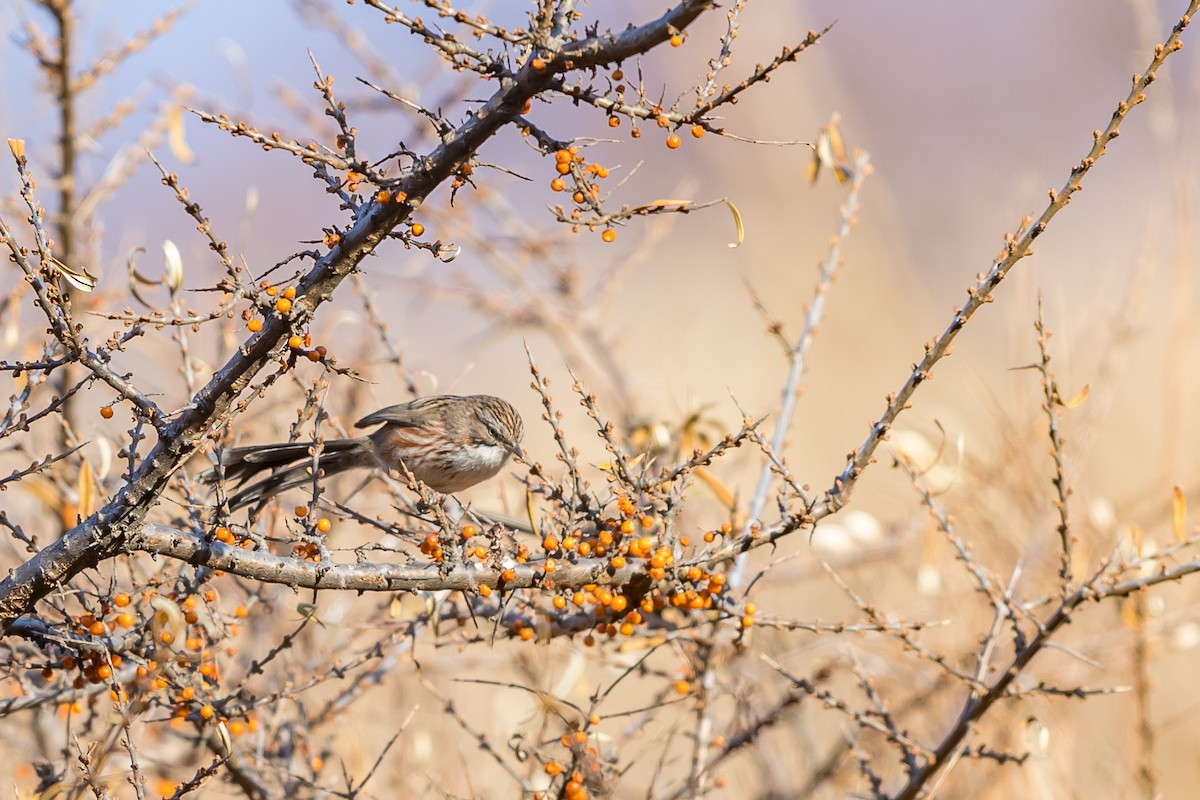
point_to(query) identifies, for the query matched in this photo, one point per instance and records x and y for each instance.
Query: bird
(448, 442)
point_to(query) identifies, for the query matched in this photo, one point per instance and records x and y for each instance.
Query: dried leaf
(17, 146)
(1129, 614)
(174, 265)
(175, 138)
(86, 488)
(737, 221)
(1077, 400)
(80, 278)
(168, 619)
(723, 494)
(1037, 736)
(1179, 515)
(830, 151)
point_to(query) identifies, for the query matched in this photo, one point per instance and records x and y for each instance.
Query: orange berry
(289, 292)
(618, 75)
(207, 712)
(104, 672)
(553, 768)
(557, 185)
(562, 156)
(418, 229)
(324, 525)
(682, 687)
(125, 620)
(751, 609)
(619, 603)
(560, 602)
(97, 628)
(538, 64)
(121, 600)
(577, 197)
(485, 590)
(300, 511)
(295, 342)
(550, 542)
(617, 562)
(578, 598)
(106, 412)
(614, 122)
(526, 634)
(241, 612)
(283, 305)
(254, 325)
(676, 40)
(673, 141)
(187, 694)
(609, 235)
(562, 167)
(698, 131)
(237, 727)
(272, 291)
(469, 530)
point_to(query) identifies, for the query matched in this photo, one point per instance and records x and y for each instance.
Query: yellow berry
(324, 525)
(676, 40)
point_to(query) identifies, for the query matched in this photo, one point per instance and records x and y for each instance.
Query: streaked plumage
(449, 443)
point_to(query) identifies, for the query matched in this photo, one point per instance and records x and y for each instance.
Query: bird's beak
(516, 448)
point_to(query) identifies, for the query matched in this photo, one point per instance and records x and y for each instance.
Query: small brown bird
(447, 441)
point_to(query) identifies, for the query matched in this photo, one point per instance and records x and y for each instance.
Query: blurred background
(970, 114)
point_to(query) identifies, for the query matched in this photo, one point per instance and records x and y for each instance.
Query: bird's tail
(290, 466)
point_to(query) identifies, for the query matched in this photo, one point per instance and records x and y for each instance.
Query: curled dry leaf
(1077, 400)
(80, 278)
(168, 618)
(86, 487)
(738, 224)
(173, 262)
(17, 146)
(175, 135)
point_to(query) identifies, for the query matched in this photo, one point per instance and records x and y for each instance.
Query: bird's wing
(406, 415)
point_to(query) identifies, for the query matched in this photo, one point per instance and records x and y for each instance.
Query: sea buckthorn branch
(798, 360)
(1018, 246)
(1053, 401)
(309, 153)
(107, 63)
(55, 305)
(458, 55)
(1105, 584)
(762, 72)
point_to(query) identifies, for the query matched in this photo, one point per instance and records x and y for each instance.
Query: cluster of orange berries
(431, 546)
(564, 161)
(573, 789)
(226, 536)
